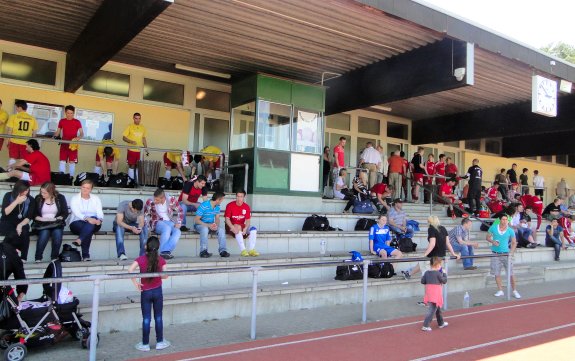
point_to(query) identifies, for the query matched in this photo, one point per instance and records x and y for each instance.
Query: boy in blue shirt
(208, 219)
(379, 238)
(501, 236)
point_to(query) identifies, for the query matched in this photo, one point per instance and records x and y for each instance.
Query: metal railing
(97, 280)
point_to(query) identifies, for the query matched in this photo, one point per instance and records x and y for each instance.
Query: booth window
(163, 92)
(454, 144)
(561, 159)
(368, 125)
(108, 82)
(473, 144)
(212, 100)
(273, 128)
(493, 146)
(547, 158)
(306, 131)
(243, 118)
(28, 69)
(397, 130)
(338, 121)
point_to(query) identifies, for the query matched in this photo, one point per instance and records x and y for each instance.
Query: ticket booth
(277, 128)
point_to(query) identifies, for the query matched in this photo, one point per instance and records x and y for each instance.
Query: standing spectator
(459, 239)
(326, 166)
(501, 237)
(18, 209)
(135, 134)
(3, 119)
(165, 216)
(396, 169)
(524, 179)
(440, 171)
(69, 128)
(538, 184)
(382, 171)
(22, 124)
(381, 197)
(189, 197)
(434, 279)
(238, 218)
(406, 171)
(474, 174)
(428, 180)
(501, 178)
(87, 217)
(173, 160)
(208, 219)
(14, 266)
(130, 217)
(49, 220)
(379, 239)
(554, 238)
(562, 190)
(451, 168)
(370, 159)
(418, 172)
(39, 165)
(338, 157)
(512, 174)
(110, 156)
(397, 220)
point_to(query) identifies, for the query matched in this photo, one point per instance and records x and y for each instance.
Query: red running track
(514, 330)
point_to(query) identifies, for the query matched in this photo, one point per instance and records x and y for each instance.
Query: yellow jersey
(22, 124)
(211, 149)
(174, 157)
(3, 120)
(115, 153)
(135, 133)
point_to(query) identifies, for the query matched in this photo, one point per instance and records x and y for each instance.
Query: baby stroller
(43, 321)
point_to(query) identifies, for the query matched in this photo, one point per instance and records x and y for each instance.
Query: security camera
(459, 73)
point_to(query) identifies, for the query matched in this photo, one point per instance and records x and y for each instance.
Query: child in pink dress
(434, 279)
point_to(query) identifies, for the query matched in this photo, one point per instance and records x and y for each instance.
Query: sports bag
(364, 224)
(380, 270)
(406, 245)
(177, 183)
(457, 212)
(316, 223)
(349, 272)
(94, 177)
(121, 180)
(70, 254)
(61, 179)
(362, 207)
(164, 183)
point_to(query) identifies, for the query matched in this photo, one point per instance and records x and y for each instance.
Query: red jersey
(440, 168)
(532, 201)
(379, 188)
(405, 164)
(69, 128)
(450, 168)
(430, 167)
(39, 167)
(492, 193)
(238, 214)
(340, 155)
(445, 189)
(194, 194)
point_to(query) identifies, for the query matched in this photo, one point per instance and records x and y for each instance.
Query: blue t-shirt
(556, 233)
(379, 236)
(207, 213)
(503, 238)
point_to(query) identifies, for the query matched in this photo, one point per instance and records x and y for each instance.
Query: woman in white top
(50, 219)
(340, 189)
(87, 217)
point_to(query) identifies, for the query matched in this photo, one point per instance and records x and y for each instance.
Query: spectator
(493, 191)
(562, 190)
(381, 197)
(459, 239)
(18, 209)
(340, 190)
(428, 180)
(49, 220)
(111, 157)
(173, 160)
(130, 217)
(3, 119)
(37, 163)
(440, 171)
(568, 235)
(406, 171)
(208, 219)
(571, 200)
(553, 210)
(21, 124)
(189, 197)
(238, 219)
(451, 168)
(69, 128)
(538, 183)
(370, 159)
(379, 239)
(165, 217)
(554, 238)
(512, 174)
(535, 204)
(396, 169)
(474, 174)
(501, 237)
(397, 220)
(524, 180)
(446, 195)
(418, 172)
(382, 170)
(524, 235)
(14, 266)
(514, 192)
(360, 190)
(501, 178)
(87, 217)
(135, 134)
(326, 166)
(338, 156)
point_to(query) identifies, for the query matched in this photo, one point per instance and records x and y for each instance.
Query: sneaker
(205, 254)
(516, 294)
(163, 344)
(224, 254)
(426, 329)
(470, 268)
(184, 229)
(406, 275)
(86, 259)
(141, 347)
(254, 253)
(445, 324)
(499, 293)
(38, 261)
(166, 255)
(245, 253)
(123, 257)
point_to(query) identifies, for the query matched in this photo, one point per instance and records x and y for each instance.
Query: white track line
(250, 349)
(487, 344)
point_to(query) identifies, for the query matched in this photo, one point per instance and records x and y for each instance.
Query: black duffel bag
(406, 245)
(121, 180)
(349, 272)
(61, 179)
(380, 270)
(94, 177)
(316, 223)
(164, 183)
(364, 224)
(70, 254)
(177, 183)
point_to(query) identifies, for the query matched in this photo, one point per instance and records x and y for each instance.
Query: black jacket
(61, 204)
(14, 266)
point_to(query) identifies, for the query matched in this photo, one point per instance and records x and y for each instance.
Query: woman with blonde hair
(360, 190)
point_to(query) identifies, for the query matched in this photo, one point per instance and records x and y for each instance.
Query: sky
(533, 22)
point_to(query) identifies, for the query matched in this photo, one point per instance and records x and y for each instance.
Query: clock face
(544, 100)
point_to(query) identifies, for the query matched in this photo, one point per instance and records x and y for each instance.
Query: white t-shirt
(162, 211)
(337, 193)
(49, 210)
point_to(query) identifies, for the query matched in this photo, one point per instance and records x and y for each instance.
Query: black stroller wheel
(15, 352)
(4, 339)
(78, 334)
(86, 339)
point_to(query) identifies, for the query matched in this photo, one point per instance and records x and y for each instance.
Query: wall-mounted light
(203, 71)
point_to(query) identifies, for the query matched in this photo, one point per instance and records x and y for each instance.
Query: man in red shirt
(535, 204)
(39, 166)
(396, 169)
(381, 197)
(238, 216)
(406, 172)
(427, 180)
(440, 171)
(189, 197)
(68, 129)
(338, 157)
(446, 192)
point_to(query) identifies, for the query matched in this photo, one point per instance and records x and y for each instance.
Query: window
(213, 100)
(243, 118)
(273, 125)
(532, 158)
(473, 144)
(493, 146)
(547, 158)
(28, 69)
(163, 92)
(397, 130)
(561, 159)
(368, 125)
(306, 131)
(452, 144)
(108, 82)
(338, 121)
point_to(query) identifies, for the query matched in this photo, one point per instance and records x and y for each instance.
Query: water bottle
(322, 247)
(466, 300)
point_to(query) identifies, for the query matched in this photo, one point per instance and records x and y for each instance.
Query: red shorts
(229, 231)
(68, 155)
(168, 163)
(17, 151)
(133, 157)
(428, 180)
(109, 158)
(418, 177)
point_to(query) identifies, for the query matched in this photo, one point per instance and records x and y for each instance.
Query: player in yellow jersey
(107, 158)
(134, 134)
(3, 120)
(173, 160)
(22, 124)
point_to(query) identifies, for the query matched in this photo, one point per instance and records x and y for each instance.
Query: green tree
(561, 50)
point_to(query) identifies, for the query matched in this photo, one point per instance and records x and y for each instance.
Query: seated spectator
(173, 160)
(553, 210)
(14, 266)
(524, 235)
(459, 239)
(165, 216)
(36, 163)
(568, 234)
(379, 239)
(381, 197)
(189, 197)
(18, 209)
(130, 217)
(208, 219)
(554, 237)
(111, 157)
(571, 200)
(340, 189)
(238, 218)
(360, 190)
(397, 220)
(49, 220)
(87, 217)
(446, 195)
(493, 192)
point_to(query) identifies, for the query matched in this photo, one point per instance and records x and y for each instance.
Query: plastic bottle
(466, 300)
(322, 246)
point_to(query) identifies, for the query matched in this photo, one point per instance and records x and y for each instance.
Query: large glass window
(368, 125)
(561, 159)
(273, 125)
(306, 131)
(163, 91)
(213, 100)
(338, 121)
(493, 146)
(216, 133)
(108, 82)
(243, 118)
(272, 170)
(29, 69)
(397, 130)
(547, 158)
(454, 144)
(473, 144)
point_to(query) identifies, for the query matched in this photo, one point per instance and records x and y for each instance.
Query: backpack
(364, 224)
(380, 270)
(102, 181)
(362, 207)
(69, 254)
(349, 272)
(457, 212)
(316, 223)
(406, 245)
(177, 183)
(164, 183)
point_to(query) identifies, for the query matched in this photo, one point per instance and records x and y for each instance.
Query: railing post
(254, 301)
(446, 263)
(246, 178)
(94, 326)
(364, 300)
(509, 290)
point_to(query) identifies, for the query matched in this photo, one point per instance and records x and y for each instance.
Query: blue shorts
(385, 248)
